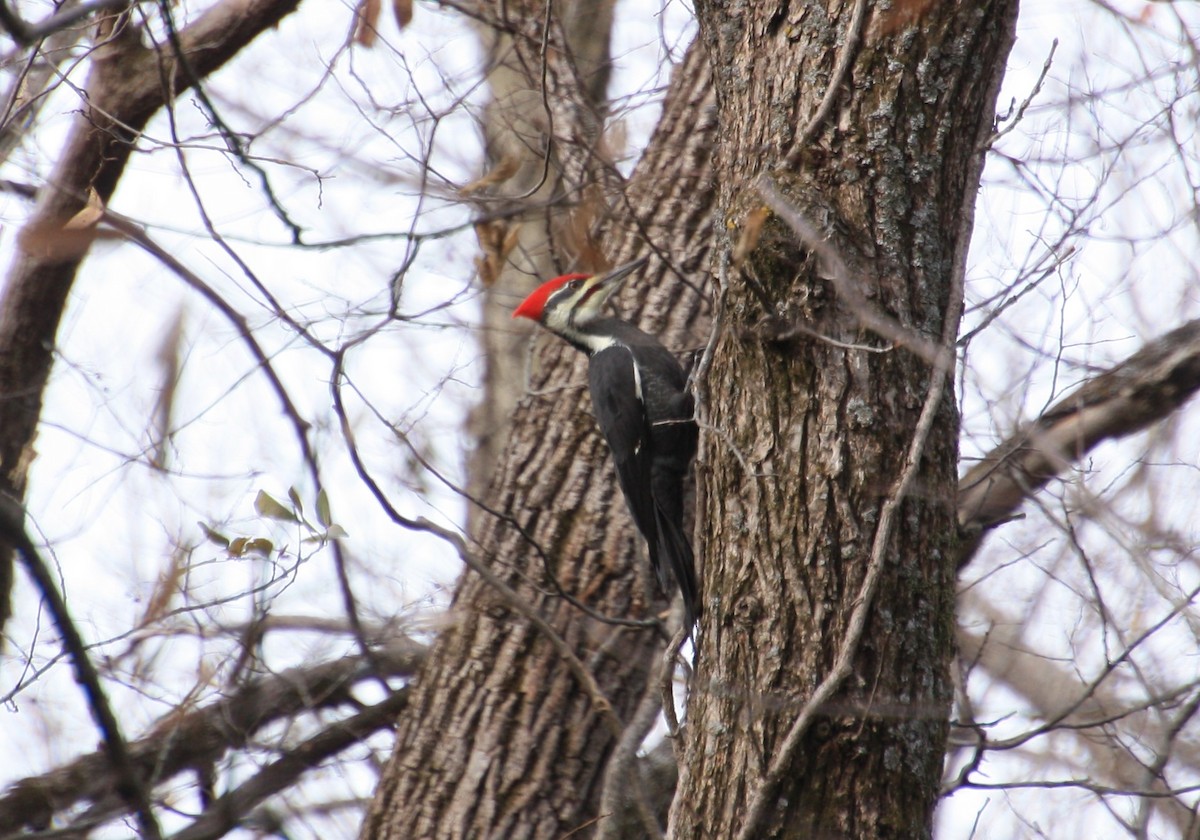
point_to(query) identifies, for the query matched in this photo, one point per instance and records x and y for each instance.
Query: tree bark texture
(805, 439)
(127, 83)
(499, 739)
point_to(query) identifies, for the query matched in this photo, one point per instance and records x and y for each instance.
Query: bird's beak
(610, 282)
(603, 287)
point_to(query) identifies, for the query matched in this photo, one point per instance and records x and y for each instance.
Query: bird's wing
(619, 410)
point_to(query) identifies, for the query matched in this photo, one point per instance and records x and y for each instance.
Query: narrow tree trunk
(544, 159)
(806, 438)
(499, 739)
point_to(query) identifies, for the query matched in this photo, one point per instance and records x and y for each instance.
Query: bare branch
(27, 33)
(116, 752)
(124, 88)
(198, 737)
(1145, 388)
(230, 809)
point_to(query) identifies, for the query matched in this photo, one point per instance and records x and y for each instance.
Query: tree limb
(188, 739)
(25, 33)
(229, 810)
(116, 756)
(1145, 388)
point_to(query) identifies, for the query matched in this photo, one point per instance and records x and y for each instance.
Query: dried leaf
(484, 269)
(165, 589)
(510, 242)
(403, 10)
(366, 22)
(751, 232)
(902, 15)
(297, 505)
(214, 536)
(171, 370)
(260, 545)
(501, 172)
(497, 241)
(90, 215)
(579, 236)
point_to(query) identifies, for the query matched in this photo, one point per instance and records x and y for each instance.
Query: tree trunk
(500, 739)
(820, 703)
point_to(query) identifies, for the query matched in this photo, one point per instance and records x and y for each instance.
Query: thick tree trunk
(500, 739)
(808, 533)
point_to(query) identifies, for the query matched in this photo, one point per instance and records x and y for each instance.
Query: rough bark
(499, 739)
(807, 440)
(127, 83)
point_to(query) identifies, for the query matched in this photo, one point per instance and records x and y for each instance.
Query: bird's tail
(675, 554)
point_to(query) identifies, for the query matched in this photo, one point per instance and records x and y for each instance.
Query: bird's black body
(653, 440)
(639, 394)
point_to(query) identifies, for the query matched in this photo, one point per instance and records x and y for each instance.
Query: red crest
(533, 307)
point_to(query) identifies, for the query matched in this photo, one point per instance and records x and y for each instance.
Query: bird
(643, 408)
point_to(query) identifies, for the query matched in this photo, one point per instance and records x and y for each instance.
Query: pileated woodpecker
(642, 407)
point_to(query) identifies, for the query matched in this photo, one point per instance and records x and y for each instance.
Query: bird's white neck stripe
(593, 342)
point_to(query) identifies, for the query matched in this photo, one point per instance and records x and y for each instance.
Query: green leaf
(214, 536)
(238, 547)
(269, 507)
(297, 505)
(323, 515)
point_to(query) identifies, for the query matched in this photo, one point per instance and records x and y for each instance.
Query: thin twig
(510, 596)
(228, 810)
(188, 737)
(623, 788)
(847, 285)
(1037, 88)
(25, 33)
(666, 680)
(129, 784)
(509, 520)
(846, 58)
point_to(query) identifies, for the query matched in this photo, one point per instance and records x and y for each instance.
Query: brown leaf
(366, 22)
(579, 236)
(901, 15)
(501, 172)
(496, 240)
(90, 215)
(403, 11)
(751, 232)
(168, 585)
